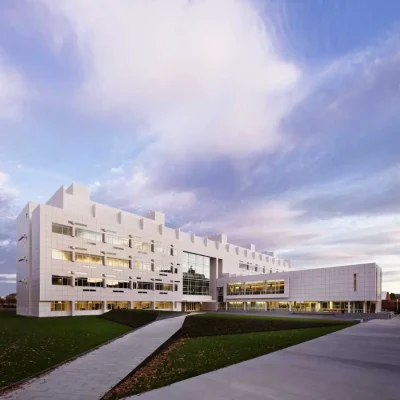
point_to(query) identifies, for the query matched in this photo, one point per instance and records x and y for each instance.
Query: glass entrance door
(189, 307)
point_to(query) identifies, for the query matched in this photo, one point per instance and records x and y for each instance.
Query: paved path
(94, 374)
(357, 363)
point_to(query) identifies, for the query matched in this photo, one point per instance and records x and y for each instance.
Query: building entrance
(189, 306)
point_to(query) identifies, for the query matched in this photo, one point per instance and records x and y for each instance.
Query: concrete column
(104, 283)
(265, 306)
(317, 307)
(290, 306)
(72, 308)
(364, 307)
(73, 256)
(348, 307)
(104, 306)
(130, 285)
(330, 305)
(153, 305)
(226, 306)
(131, 305)
(244, 306)
(72, 281)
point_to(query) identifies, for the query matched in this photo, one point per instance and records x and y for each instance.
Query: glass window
(60, 306)
(61, 255)
(117, 262)
(146, 266)
(139, 244)
(117, 240)
(355, 282)
(164, 286)
(163, 305)
(145, 285)
(61, 280)
(95, 282)
(89, 235)
(81, 282)
(117, 305)
(158, 247)
(88, 305)
(118, 284)
(142, 305)
(62, 229)
(254, 288)
(88, 258)
(196, 274)
(158, 267)
(137, 265)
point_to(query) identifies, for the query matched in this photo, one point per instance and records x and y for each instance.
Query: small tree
(11, 299)
(392, 296)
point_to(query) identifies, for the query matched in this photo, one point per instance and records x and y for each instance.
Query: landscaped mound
(230, 324)
(133, 318)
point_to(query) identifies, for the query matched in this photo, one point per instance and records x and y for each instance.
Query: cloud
(197, 77)
(13, 91)
(224, 134)
(8, 276)
(374, 194)
(138, 190)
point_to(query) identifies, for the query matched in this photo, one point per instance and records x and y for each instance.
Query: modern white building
(79, 257)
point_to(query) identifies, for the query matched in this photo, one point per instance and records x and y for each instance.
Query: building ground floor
(96, 307)
(65, 308)
(306, 306)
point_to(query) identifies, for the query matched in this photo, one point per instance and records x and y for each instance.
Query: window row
(98, 282)
(136, 242)
(113, 262)
(110, 305)
(250, 288)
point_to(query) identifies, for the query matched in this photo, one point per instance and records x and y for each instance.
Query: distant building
(79, 257)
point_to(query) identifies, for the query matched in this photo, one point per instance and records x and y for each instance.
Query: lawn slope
(30, 345)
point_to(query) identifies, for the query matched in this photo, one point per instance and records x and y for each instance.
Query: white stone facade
(352, 288)
(143, 250)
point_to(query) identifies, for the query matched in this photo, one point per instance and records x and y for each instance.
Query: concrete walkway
(361, 362)
(94, 374)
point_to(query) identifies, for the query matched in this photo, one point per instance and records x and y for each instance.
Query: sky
(275, 122)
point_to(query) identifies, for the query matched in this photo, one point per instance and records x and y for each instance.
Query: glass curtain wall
(252, 288)
(196, 274)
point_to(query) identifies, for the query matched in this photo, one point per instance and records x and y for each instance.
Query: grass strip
(229, 324)
(189, 357)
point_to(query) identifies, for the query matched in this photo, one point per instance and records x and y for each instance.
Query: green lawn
(132, 318)
(227, 324)
(136, 318)
(30, 345)
(188, 357)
